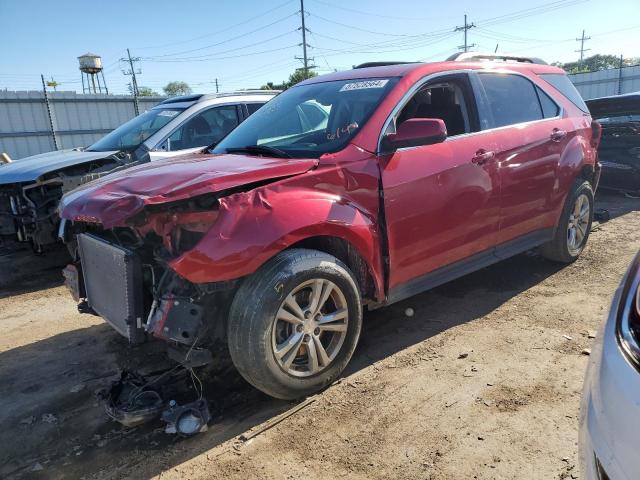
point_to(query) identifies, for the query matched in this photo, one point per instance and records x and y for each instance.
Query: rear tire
(295, 323)
(573, 229)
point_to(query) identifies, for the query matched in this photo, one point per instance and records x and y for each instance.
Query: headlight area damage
(123, 275)
(127, 237)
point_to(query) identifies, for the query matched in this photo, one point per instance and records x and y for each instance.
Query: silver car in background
(610, 409)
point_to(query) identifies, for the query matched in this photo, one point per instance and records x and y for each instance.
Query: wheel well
(346, 253)
(587, 172)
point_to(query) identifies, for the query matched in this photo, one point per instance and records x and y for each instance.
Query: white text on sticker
(362, 85)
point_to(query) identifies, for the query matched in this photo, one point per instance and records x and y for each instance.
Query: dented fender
(254, 226)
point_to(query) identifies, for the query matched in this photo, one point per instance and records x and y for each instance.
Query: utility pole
(304, 40)
(49, 114)
(582, 49)
(305, 59)
(134, 81)
(620, 75)
(465, 28)
(216, 85)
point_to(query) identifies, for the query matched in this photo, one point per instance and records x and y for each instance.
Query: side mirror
(415, 132)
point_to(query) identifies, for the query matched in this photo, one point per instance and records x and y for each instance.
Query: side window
(549, 108)
(203, 129)
(253, 107)
(284, 125)
(512, 98)
(449, 100)
(314, 114)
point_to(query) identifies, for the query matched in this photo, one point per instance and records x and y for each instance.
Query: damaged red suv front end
(130, 234)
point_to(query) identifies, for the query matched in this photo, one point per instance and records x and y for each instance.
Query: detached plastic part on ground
(135, 399)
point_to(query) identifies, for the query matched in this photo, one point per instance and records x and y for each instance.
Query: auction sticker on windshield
(168, 113)
(347, 87)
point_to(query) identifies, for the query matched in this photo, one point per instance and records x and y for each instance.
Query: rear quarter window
(562, 83)
(549, 108)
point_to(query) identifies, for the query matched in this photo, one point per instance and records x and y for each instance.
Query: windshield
(130, 135)
(309, 120)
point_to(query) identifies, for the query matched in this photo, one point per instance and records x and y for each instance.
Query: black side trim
(523, 243)
(470, 264)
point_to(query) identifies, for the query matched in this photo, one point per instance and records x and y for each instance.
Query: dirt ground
(482, 382)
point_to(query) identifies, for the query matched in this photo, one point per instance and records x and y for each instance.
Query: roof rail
(471, 56)
(240, 92)
(199, 97)
(379, 64)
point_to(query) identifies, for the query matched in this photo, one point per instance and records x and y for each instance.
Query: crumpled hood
(113, 199)
(29, 169)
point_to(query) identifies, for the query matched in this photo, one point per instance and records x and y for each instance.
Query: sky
(246, 43)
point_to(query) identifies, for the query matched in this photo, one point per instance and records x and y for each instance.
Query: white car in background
(31, 187)
(610, 409)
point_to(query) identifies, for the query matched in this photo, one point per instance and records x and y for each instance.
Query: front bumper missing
(113, 285)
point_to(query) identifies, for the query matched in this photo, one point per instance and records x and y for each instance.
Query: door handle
(482, 156)
(557, 134)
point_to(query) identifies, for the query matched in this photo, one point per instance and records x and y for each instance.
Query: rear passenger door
(528, 140)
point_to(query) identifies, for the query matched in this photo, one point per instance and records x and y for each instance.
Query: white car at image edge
(610, 408)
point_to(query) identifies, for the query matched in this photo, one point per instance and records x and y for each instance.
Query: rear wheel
(574, 227)
(295, 323)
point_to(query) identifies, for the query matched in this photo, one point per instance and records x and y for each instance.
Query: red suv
(348, 191)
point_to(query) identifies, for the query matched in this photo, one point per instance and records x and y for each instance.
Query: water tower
(90, 68)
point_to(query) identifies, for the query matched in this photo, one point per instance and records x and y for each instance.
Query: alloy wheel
(310, 327)
(578, 223)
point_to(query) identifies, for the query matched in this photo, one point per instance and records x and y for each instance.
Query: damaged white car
(31, 187)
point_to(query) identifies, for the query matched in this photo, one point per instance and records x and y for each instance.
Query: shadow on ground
(54, 428)
(23, 271)
(59, 376)
(616, 203)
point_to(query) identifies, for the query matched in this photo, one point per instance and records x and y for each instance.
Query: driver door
(441, 201)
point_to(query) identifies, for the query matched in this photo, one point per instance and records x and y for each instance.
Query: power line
(361, 12)
(529, 12)
(217, 32)
(263, 27)
(352, 27)
(223, 52)
(181, 60)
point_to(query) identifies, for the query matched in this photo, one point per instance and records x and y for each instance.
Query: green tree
(299, 75)
(596, 63)
(296, 77)
(177, 88)
(147, 92)
(143, 91)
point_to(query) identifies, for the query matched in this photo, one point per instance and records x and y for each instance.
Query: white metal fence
(605, 83)
(28, 127)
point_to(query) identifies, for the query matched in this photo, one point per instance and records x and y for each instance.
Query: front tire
(295, 323)
(574, 226)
